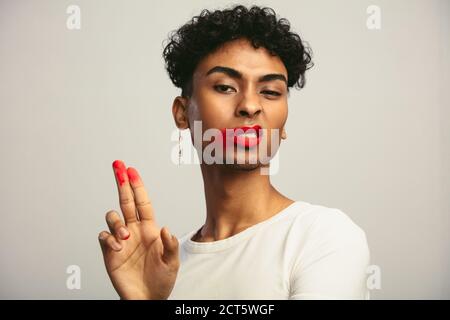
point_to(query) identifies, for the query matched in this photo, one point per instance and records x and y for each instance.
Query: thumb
(170, 244)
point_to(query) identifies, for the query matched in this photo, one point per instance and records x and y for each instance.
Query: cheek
(215, 114)
(210, 114)
(277, 117)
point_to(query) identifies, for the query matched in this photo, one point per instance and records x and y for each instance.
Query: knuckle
(102, 235)
(117, 225)
(143, 203)
(139, 187)
(125, 201)
(110, 241)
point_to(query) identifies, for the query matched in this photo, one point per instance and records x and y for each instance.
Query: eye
(272, 93)
(222, 88)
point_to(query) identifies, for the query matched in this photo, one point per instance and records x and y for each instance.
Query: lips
(247, 137)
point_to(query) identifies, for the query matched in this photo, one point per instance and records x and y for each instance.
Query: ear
(179, 112)
(283, 134)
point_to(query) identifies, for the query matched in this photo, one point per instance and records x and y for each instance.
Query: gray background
(369, 134)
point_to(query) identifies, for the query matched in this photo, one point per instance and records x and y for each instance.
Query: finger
(141, 200)
(101, 237)
(116, 225)
(126, 198)
(107, 241)
(170, 243)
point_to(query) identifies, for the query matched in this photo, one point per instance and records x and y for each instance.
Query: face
(239, 86)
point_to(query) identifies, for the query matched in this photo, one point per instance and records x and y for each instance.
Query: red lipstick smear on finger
(121, 171)
(133, 174)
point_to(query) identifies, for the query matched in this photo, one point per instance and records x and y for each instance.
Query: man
(235, 68)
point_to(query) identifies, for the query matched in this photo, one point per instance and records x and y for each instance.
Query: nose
(249, 106)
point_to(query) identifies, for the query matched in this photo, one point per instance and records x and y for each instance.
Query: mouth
(247, 137)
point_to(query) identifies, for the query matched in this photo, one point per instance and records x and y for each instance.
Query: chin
(244, 166)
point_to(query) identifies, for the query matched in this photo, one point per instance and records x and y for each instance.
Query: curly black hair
(205, 33)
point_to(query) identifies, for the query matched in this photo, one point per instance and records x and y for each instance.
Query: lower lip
(247, 142)
(243, 141)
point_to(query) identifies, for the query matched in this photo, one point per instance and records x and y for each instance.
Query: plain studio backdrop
(369, 134)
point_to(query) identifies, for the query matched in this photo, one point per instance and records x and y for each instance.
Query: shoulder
(321, 232)
(323, 224)
(332, 255)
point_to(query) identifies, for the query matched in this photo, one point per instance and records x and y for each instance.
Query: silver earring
(180, 150)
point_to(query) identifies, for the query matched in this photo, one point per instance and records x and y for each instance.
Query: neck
(235, 200)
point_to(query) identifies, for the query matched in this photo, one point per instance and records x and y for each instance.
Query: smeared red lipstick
(121, 171)
(247, 142)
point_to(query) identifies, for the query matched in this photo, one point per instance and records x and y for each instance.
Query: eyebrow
(237, 75)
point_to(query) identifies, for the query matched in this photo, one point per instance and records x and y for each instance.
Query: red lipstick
(247, 137)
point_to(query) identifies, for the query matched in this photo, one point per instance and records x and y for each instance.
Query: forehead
(242, 56)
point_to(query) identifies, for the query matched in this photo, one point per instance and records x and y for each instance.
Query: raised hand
(141, 259)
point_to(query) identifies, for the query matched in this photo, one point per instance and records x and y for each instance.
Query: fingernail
(124, 234)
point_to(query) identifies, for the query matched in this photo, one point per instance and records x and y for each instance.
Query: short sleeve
(334, 260)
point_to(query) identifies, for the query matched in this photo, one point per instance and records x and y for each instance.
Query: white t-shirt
(305, 251)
